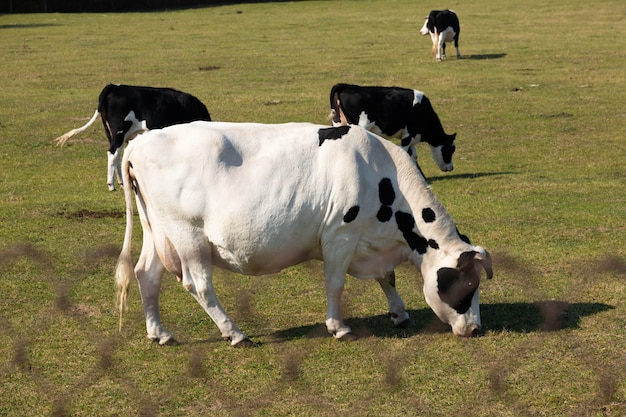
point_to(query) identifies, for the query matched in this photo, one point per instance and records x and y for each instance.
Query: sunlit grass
(539, 180)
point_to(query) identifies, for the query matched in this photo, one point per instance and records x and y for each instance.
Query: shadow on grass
(543, 316)
(27, 25)
(467, 176)
(484, 56)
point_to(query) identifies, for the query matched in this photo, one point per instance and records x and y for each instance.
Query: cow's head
(452, 290)
(442, 154)
(424, 30)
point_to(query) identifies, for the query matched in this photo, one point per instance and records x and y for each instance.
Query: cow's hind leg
(149, 271)
(198, 280)
(335, 268)
(456, 45)
(397, 310)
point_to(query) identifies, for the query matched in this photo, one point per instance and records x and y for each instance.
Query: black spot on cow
(332, 133)
(433, 243)
(385, 192)
(406, 222)
(126, 125)
(463, 237)
(428, 215)
(387, 195)
(384, 214)
(351, 214)
(453, 291)
(457, 285)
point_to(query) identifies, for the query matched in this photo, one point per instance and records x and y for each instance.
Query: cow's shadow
(484, 56)
(466, 176)
(27, 25)
(544, 316)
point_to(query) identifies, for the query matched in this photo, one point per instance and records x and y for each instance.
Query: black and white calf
(254, 199)
(394, 112)
(128, 110)
(443, 26)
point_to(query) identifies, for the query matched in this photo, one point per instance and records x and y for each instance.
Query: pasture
(539, 180)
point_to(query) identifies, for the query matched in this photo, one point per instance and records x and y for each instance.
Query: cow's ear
(485, 261)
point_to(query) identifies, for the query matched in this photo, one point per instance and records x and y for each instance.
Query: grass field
(539, 180)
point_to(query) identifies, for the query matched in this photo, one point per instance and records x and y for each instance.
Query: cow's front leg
(149, 271)
(397, 310)
(114, 168)
(435, 50)
(408, 144)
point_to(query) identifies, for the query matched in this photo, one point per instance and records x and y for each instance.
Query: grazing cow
(255, 199)
(128, 110)
(394, 112)
(443, 26)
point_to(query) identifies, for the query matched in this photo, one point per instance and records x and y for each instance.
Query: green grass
(539, 180)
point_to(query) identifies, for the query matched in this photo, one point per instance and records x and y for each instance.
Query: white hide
(255, 199)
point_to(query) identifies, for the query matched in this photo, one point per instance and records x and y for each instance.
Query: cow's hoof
(348, 337)
(169, 342)
(406, 324)
(245, 343)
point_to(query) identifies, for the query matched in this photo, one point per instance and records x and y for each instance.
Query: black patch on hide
(384, 214)
(457, 285)
(332, 133)
(406, 222)
(463, 237)
(428, 215)
(351, 214)
(385, 192)
(387, 195)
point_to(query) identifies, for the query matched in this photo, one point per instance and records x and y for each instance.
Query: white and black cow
(394, 112)
(128, 110)
(254, 199)
(443, 26)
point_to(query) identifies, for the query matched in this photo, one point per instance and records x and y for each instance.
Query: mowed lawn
(537, 103)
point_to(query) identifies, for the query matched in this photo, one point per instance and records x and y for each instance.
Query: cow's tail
(63, 138)
(124, 271)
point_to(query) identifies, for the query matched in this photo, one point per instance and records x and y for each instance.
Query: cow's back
(159, 107)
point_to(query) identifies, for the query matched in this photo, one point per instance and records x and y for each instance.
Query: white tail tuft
(60, 141)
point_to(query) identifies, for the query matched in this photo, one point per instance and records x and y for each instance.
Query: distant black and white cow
(394, 112)
(128, 110)
(254, 199)
(443, 26)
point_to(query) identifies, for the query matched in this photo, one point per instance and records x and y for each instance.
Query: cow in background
(394, 112)
(255, 199)
(443, 26)
(128, 110)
